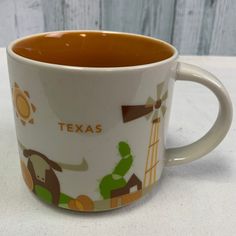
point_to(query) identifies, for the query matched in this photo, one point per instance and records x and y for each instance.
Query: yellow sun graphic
(23, 107)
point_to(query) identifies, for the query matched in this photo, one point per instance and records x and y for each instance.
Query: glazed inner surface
(93, 49)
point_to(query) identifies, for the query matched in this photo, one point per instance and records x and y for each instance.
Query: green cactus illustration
(116, 179)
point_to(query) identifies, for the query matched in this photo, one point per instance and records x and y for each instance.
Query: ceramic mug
(91, 115)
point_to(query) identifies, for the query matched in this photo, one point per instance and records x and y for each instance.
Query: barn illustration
(115, 187)
(130, 192)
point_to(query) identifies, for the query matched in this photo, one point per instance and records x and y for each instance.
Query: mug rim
(20, 58)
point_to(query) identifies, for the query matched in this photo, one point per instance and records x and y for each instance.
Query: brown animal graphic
(42, 173)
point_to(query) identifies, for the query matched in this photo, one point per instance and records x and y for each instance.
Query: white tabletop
(194, 199)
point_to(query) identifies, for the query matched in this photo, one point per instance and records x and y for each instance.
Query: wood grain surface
(194, 26)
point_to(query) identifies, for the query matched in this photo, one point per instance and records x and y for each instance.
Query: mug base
(82, 203)
(102, 205)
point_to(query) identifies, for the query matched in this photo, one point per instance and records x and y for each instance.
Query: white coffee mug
(91, 115)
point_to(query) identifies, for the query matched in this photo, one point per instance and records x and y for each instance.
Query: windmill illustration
(153, 110)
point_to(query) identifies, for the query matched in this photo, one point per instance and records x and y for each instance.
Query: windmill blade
(163, 110)
(165, 96)
(150, 102)
(133, 112)
(159, 89)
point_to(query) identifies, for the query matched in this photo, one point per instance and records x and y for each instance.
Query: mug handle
(191, 152)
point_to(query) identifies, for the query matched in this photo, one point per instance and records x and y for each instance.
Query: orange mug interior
(93, 49)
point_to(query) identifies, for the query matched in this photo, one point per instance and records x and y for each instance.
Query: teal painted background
(193, 26)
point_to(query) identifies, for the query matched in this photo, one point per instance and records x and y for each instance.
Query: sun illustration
(23, 107)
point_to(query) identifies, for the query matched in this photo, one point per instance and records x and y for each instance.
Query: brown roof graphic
(133, 181)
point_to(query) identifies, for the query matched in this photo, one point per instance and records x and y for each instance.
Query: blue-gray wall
(193, 26)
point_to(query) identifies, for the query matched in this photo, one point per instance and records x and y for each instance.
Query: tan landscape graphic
(119, 186)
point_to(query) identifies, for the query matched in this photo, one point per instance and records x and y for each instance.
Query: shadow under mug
(91, 115)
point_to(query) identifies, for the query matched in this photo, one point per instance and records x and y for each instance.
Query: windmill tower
(153, 110)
